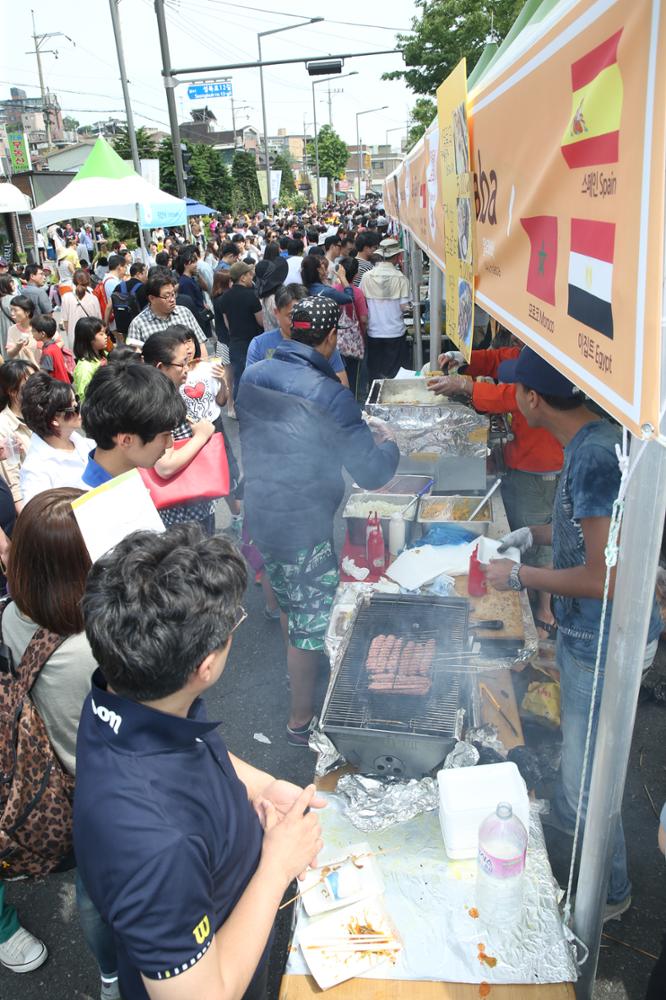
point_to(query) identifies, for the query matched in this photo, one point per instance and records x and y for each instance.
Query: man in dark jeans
(299, 427)
(243, 316)
(184, 849)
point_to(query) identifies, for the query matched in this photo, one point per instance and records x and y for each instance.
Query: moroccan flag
(542, 231)
(591, 274)
(593, 133)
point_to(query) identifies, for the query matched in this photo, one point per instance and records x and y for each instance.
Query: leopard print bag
(36, 792)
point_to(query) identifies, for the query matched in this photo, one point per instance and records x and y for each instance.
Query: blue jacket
(298, 427)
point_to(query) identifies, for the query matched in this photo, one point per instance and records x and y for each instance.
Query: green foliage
(209, 182)
(420, 117)
(145, 144)
(447, 30)
(287, 182)
(167, 168)
(245, 195)
(70, 124)
(333, 153)
(295, 203)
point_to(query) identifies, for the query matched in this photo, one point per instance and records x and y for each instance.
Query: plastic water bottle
(501, 867)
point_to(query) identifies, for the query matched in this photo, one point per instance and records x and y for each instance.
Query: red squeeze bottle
(476, 581)
(375, 550)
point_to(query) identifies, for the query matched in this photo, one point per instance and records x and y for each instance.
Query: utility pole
(330, 106)
(170, 85)
(39, 41)
(115, 20)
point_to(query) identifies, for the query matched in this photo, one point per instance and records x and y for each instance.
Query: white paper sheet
(114, 510)
(416, 567)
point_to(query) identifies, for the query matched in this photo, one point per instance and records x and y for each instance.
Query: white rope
(611, 552)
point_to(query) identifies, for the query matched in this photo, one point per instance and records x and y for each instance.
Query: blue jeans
(98, 935)
(576, 677)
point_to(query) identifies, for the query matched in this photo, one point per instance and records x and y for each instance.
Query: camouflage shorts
(305, 589)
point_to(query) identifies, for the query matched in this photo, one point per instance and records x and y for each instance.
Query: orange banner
(568, 154)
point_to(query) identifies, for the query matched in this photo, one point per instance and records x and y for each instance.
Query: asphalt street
(251, 698)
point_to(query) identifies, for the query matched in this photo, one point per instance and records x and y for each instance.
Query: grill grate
(351, 706)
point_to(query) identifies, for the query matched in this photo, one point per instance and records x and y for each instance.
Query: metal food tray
(406, 484)
(403, 392)
(427, 516)
(357, 525)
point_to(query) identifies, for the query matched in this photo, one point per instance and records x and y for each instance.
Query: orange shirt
(532, 449)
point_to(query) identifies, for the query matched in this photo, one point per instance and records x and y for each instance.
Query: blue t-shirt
(588, 487)
(264, 345)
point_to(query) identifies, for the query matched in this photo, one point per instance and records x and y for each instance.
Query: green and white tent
(107, 187)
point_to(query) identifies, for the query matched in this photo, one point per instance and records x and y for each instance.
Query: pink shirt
(360, 303)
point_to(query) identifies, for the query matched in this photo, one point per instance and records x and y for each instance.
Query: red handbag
(206, 477)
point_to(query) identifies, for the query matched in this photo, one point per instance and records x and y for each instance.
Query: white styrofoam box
(468, 794)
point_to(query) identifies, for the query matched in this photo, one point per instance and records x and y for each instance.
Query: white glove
(450, 359)
(520, 539)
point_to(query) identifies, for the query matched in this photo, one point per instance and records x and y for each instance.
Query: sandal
(550, 628)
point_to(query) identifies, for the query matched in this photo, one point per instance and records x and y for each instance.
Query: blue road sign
(198, 90)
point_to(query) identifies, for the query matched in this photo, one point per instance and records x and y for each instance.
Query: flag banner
(568, 162)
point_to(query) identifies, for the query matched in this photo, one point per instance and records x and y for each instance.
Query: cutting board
(504, 604)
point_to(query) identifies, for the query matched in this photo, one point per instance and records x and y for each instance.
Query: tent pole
(415, 260)
(436, 297)
(142, 242)
(642, 529)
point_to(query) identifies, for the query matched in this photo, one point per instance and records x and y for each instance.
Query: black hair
(350, 265)
(332, 241)
(312, 235)
(115, 260)
(229, 248)
(125, 354)
(6, 284)
(285, 294)
(238, 238)
(162, 259)
(311, 269)
(272, 251)
(30, 270)
(561, 403)
(42, 397)
(158, 604)
(160, 347)
(283, 242)
(364, 240)
(12, 376)
(185, 256)
(85, 331)
(294, 248)
(156, 282)
(128, 398)
(102, 261)
(45, 324)
(137, 268)
(24, 303)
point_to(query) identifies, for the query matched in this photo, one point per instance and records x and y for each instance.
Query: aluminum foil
(373, 804)
(329, 757)
(462, 755)
(487, 736)
(452, 429)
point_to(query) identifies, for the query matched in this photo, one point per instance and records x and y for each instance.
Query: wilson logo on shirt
(202, 930)
(106, 715)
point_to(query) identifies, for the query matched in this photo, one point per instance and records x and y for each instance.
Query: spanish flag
(593, 133)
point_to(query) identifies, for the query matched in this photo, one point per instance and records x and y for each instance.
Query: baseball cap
(389, 248)
(534, 373)
(238, 269)
(316, 314)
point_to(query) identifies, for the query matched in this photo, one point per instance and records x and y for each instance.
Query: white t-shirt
(385, 318)
(47, 468)
(199, 392)
(294, 271)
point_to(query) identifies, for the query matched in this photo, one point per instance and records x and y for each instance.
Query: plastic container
(500, 871)
(397, 533)
(476, 579)
(467, 795)
(375, 549)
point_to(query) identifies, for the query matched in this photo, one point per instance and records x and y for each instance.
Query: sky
(208, 32)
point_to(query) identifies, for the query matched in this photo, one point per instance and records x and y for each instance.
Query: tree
(287, 182)
(210, 181)
(333, 153)
(167, 168)
(446, 31)
(423, 112)
(246, 194)
(70, 124)
(145, 143)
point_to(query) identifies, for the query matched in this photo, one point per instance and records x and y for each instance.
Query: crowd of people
(114, 362)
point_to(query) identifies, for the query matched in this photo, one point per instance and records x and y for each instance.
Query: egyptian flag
(542, 231)
(591, 274)
(593, 133)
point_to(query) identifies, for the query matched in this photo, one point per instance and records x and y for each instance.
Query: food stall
(420, 682)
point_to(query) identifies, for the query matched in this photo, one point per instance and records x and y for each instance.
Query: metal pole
(632, 605)
(263, 115)
(169, 85)
(282, 62)
(414, 251)
(358, 159)
(316, 143)
(330, 107)
(46, 109)
(115, 20)
(436, 294)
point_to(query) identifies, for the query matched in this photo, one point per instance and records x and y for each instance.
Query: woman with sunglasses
(58, 453)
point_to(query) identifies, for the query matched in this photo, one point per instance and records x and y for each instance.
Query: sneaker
(613, 911)
(299, 737)
(110, 989)
(23, 952)
(272, 615)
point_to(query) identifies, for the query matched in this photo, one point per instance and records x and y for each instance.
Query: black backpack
(125, 306)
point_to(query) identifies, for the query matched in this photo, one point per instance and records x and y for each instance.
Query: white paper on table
(488, 549)
(113, 511)
(416, 567)
(407, 373)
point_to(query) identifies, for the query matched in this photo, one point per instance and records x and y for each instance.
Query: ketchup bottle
(476, 581)
(375, 550)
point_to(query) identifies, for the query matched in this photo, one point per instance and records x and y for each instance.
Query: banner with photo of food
(568, 142)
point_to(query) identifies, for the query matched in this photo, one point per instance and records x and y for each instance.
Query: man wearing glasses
(161, 313)
(184, 849)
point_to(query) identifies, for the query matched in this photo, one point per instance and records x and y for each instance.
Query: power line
(284, 13)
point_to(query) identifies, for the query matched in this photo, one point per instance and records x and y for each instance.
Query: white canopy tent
(12, 199)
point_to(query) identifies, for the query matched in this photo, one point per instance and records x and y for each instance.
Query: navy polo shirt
(166, 840)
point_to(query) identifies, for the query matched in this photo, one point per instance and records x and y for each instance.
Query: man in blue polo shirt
(185, 850)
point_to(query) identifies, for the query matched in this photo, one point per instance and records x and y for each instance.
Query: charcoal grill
(399, 734)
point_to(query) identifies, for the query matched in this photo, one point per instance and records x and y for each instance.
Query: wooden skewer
(332, 868)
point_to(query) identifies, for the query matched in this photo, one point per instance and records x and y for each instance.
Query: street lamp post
(358, 142)
(399, 128)
(260, 35)
(314, 113)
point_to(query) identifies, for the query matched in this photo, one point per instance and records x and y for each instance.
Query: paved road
(251, 697)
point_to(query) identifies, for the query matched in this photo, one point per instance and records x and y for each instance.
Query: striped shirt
(147, 323)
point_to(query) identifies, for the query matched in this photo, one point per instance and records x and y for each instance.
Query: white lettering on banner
(106, 715)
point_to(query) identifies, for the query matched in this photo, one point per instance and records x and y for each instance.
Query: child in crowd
(89, 351)
(52, 359)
